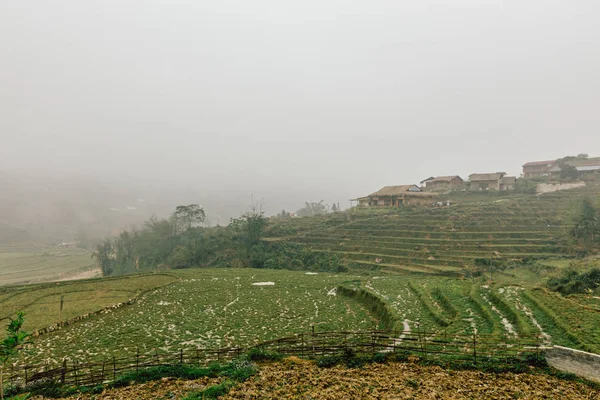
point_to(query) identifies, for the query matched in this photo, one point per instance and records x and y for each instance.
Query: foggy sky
(294, 101)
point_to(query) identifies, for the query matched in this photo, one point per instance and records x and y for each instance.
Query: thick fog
(215, 101)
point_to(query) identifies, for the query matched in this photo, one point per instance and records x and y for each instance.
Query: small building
(538, 168)
(442, 182)
(487, 181)
(396, 196)
(508, 182)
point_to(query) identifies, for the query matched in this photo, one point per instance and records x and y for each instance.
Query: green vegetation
(11, 344)
(177, 243)
(238, 370)
(206, 308)
(373, 303)
(586, 225)
(42, 302)
(571, 282)
(424, 270)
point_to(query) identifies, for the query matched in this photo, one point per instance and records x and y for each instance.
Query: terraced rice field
(207, 309)
(20, 265)
(447, 240)
(446, 306)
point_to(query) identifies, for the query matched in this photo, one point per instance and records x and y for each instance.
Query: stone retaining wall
(555, 187)
(580, 363)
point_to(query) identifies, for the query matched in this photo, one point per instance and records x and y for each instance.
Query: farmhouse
(584, 167)
(508, 182)
(492, 181)
(396, 196)
(538, 168)
(442, 181)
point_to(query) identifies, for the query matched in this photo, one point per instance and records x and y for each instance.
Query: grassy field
(27, 264)
(41, 302)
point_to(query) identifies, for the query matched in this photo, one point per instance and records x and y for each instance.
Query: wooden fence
(426, 345)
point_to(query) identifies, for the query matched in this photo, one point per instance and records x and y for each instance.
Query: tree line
(180, 241)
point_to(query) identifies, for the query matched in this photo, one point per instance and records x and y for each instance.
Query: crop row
(449, 247)
(209, 308)
(457, 254)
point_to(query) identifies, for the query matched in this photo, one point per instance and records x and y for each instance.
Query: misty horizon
(222, 102)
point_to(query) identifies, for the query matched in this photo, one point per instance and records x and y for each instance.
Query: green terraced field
(446, 306)
(509, 229)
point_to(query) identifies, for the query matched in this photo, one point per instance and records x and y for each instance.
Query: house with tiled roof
(492, 181)
(535, 169)
(396, 196)
(442, 182)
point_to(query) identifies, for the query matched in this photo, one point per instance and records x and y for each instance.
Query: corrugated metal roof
(588, 168)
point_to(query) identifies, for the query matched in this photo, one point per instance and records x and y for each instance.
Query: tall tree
(251, 226)
(105, 256)
(586, 223)
(311, 209)
(188, 216)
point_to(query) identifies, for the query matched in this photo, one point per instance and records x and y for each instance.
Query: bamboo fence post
(75, 369)
(180, 356)
(63, 373)
(475, 348)
(102, 376)
(137, 360)
(372, 344)
(114, 369)
(302, 346)
(26, 377)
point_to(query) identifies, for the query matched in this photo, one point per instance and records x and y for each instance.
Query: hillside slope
(445, 240)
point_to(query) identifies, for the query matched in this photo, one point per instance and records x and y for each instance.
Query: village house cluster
(428, 191)
(585, 167)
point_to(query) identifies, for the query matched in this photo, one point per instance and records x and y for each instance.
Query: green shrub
(212, 392)
(328, 361)
(571, 282)
(379, 358)
(239, 370)
(44, 387)
(155, 373)
(261, 354)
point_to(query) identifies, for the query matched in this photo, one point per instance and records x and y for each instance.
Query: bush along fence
(474, 349)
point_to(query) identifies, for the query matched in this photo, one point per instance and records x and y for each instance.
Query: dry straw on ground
(299, 379)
